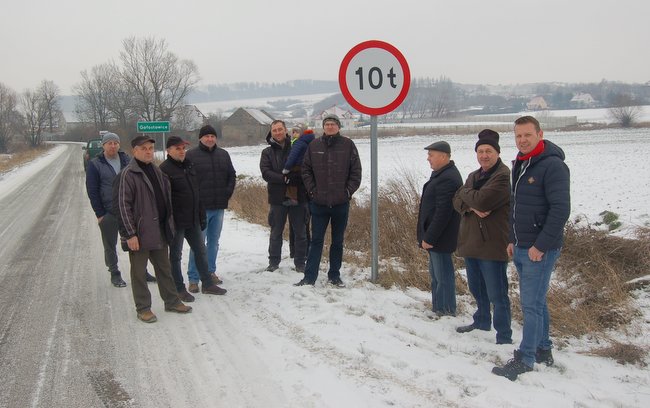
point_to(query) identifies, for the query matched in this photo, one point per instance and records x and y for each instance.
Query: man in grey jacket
(142, 198)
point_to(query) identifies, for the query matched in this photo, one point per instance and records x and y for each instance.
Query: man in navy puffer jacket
(99, 185)
(539, 208)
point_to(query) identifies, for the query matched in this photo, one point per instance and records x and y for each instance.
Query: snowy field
(602, 178)
(267, 343)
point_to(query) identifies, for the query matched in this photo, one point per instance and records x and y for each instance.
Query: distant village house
(246, 126)
(347, 118)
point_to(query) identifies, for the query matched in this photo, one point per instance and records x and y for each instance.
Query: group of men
(156, 209)
(486, 221)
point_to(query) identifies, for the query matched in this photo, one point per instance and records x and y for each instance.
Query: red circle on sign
(343, 83)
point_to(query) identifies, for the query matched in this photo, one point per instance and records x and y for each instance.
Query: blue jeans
(534, 278)
(488, 283)
(443, 283)
(321, 216)
(211, 236)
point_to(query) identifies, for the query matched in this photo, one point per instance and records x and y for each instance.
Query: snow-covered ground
(364, 346)
(602, 177)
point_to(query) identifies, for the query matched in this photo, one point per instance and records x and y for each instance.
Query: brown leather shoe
(185, 297)
(193, 287)
(216, 280)
(213, 290)
(179, 308)
(147, 316)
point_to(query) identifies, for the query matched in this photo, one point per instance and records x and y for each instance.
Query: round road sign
(374, 77)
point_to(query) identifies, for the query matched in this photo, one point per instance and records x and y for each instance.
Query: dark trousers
(109, 229)
(292, 244)
(278, 215)
(321, 216)
(194, 238)
(159, 258)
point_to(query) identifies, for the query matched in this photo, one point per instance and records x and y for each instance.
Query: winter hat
(440, 146)
(110, 136)
(140, 140)
(332, 118)
(298, 129)
(488, 137)
(207, 130)
(175, 140)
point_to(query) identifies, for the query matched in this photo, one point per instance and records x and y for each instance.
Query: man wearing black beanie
(216, 177)
(483, 203)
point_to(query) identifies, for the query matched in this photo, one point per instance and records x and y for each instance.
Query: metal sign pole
(373, 199)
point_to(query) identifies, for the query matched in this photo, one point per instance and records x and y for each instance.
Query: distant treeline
(248, 90)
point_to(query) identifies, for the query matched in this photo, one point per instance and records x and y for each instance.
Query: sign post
(374, 78)
(155, 127)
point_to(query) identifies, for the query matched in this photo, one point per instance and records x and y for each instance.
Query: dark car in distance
(92, 149)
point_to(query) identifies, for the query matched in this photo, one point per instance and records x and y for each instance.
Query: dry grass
(590, 294)
(22, 156)
(623, 353)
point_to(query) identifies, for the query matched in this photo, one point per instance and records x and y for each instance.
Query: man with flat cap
(142, 199)
(99, 185)
(189, 218)
(483, 204)
(437, 228)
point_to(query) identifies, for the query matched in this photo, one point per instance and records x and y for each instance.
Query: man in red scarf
(539, 208)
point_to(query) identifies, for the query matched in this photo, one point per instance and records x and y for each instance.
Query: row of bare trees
(28, 114)
(428, 98)
(150, 83)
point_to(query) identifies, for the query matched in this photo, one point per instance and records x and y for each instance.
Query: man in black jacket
(331, 171)
(438, 223)
(216, 177)
(272, 162)
(189, 218)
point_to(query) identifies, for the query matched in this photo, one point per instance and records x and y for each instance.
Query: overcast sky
(469, 41)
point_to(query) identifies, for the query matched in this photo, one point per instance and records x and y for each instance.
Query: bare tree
(50, 95)
(160, 80)
(35, 114)
(626, 111)
(93, 95)
(9, 116)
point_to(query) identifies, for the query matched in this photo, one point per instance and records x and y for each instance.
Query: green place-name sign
(153, 127)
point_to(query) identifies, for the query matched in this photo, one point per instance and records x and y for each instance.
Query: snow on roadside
(13, 179)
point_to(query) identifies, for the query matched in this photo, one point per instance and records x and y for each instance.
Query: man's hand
(511, 250)
(133, 243)
(535, 254)
(481, 214)
(99, 219)
(426, 245)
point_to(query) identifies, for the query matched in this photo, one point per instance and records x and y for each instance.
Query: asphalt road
(70, 339)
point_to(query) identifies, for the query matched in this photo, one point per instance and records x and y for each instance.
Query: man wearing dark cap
(142, 197)
(437, 228)
(216, 177)
(331, 172)
(483, 204)
(99, 185)
(189, 218)
(540, 205)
